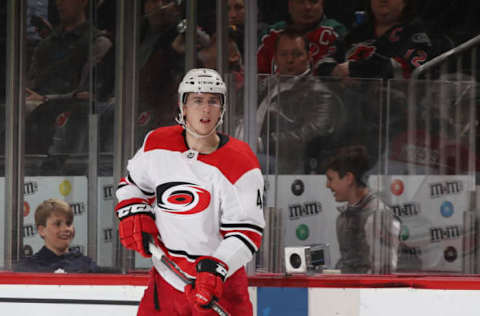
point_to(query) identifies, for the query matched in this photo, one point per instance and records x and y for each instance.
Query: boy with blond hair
(54, 222)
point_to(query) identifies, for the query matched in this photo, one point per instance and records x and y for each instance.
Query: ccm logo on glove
(134, 209)
(137, 227)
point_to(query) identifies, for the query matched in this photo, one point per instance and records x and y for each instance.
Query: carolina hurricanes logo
(182, 198)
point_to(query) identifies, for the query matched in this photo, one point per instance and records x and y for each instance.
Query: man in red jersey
(324, 35)
(198, 194)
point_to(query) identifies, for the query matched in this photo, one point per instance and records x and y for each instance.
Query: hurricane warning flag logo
(182, 198)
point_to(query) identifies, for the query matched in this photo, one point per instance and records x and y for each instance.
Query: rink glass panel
(3, 75)
(302, 123)
(69, 138)
(430, 164)
(427, 178)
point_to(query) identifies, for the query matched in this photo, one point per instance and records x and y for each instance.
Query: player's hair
(292, 34)
(52, 206)
(352, 159)
(409, 11)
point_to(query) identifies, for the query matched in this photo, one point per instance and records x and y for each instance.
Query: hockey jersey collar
(223, 140)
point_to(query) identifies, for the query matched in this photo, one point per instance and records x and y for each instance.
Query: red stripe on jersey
(123, 181)
(185, 265)
(254, 237)
(169, 137)
(130, 202)
(233, 159)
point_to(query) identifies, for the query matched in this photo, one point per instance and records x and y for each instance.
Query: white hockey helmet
(201, 80)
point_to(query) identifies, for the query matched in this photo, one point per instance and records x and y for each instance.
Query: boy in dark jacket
(54, 222)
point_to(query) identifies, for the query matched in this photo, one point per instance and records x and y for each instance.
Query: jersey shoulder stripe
(234, 159)
(169, 138)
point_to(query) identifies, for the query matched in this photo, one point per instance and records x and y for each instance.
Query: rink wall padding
(431, 209)
(282, 301)
(279, 295)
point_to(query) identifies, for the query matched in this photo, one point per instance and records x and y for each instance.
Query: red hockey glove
(208, 286)
(137, 227)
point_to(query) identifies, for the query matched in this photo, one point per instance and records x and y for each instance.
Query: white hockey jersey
(204, 204)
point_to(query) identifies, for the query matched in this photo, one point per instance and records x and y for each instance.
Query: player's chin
(205, 128)
(205, 132)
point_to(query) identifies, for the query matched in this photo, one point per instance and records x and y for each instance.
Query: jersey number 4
(259, 199)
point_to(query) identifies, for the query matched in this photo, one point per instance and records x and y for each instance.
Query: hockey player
(198, 193)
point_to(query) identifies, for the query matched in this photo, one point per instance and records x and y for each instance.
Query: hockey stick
(172, 266)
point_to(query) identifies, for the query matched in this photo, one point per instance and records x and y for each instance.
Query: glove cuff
(212, 265)
(135, 209)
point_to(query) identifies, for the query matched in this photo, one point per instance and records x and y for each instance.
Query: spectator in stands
(54, 222)
(208, 57)
(325, 36)
(391, 44)
(360, 238)
(234, 73)
(236, 12)
(236, 21)
(292, 54)
(160, 64)
(58, 80)
(303, 106)
(60, 64)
